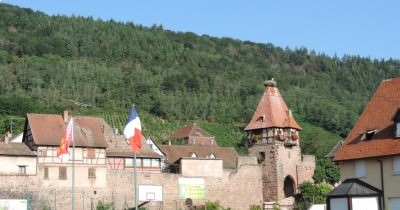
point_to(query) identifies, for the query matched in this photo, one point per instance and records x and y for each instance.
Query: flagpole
(135, 181)
(73, 167)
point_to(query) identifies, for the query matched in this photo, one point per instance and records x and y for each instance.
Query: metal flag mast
(133, 134)
(73, 166)
(135, 181)
(135, 175)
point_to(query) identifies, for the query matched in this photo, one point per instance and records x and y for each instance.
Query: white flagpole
(135, 181)
(73, 166)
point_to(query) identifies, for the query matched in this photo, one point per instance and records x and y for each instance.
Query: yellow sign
(191, 188)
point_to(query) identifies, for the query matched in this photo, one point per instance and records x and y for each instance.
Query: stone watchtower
(273, 137)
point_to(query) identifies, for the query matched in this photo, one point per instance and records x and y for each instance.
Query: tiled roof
(377, 116)
(15, 149)
(272, 111)
(119, 147)
(189, 130)
(48, 129)
(175, 152)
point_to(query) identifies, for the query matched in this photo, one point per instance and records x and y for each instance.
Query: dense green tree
(326, 171)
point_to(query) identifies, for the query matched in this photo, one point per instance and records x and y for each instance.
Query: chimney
(290, 113)
(7, 137)
(65, 116)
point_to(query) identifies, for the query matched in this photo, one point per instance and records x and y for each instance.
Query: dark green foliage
(48, 63)
(314, 193)
(326, 171)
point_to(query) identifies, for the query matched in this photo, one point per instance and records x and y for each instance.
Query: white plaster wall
(9, 165)
(202, 167)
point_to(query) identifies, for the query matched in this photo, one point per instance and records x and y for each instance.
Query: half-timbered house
(43, 133)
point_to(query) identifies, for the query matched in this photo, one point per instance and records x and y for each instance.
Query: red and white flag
(66, 139)
(133, 130)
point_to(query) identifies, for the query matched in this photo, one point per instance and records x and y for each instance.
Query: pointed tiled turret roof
(272, 111)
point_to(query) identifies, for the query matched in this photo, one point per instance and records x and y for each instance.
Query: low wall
(238, 190)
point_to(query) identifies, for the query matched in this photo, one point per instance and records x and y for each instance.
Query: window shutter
(360, 169)
(396, 165)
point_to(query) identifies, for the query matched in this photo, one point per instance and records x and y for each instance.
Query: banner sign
(191, 188)
(11, 204)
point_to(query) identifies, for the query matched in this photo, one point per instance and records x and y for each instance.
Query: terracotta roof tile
(189, 130)
(48, 129)
(272, 111)
(15, 149)
(377, 115)
(175, 152)
(119, 147)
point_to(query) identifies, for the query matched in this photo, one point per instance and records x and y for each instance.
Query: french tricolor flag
(133, 130)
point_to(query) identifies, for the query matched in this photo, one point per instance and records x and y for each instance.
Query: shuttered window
(398, 130)
(360, 169)
(396, 165)
(62, 173)
(92, 173)
(46, 173)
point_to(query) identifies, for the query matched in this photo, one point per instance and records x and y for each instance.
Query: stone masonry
(237, 189)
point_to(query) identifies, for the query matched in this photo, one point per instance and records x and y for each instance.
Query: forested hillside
(48, 63)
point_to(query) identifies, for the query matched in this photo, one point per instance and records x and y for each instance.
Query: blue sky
(365, 28)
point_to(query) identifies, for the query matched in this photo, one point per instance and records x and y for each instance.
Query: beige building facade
(369, 171)
(371, 152)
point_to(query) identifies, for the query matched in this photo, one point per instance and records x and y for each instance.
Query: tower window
(261, 157)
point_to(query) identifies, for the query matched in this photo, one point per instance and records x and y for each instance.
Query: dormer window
(211, 156)
(369, 134)
(261, 118)
(194, 155)
(396, 120)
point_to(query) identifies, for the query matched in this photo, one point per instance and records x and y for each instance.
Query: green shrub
(255, 207)
(104, 206)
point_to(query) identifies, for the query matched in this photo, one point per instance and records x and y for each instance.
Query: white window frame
(360, 169)
(396, 165)
(397, 134)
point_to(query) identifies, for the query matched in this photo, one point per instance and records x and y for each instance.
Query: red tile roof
(189, 130)
(272, 111)
(48, 130)
(119, 147)
(377, 116)
(175, 152)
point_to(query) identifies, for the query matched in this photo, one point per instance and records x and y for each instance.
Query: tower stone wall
(274, 139)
